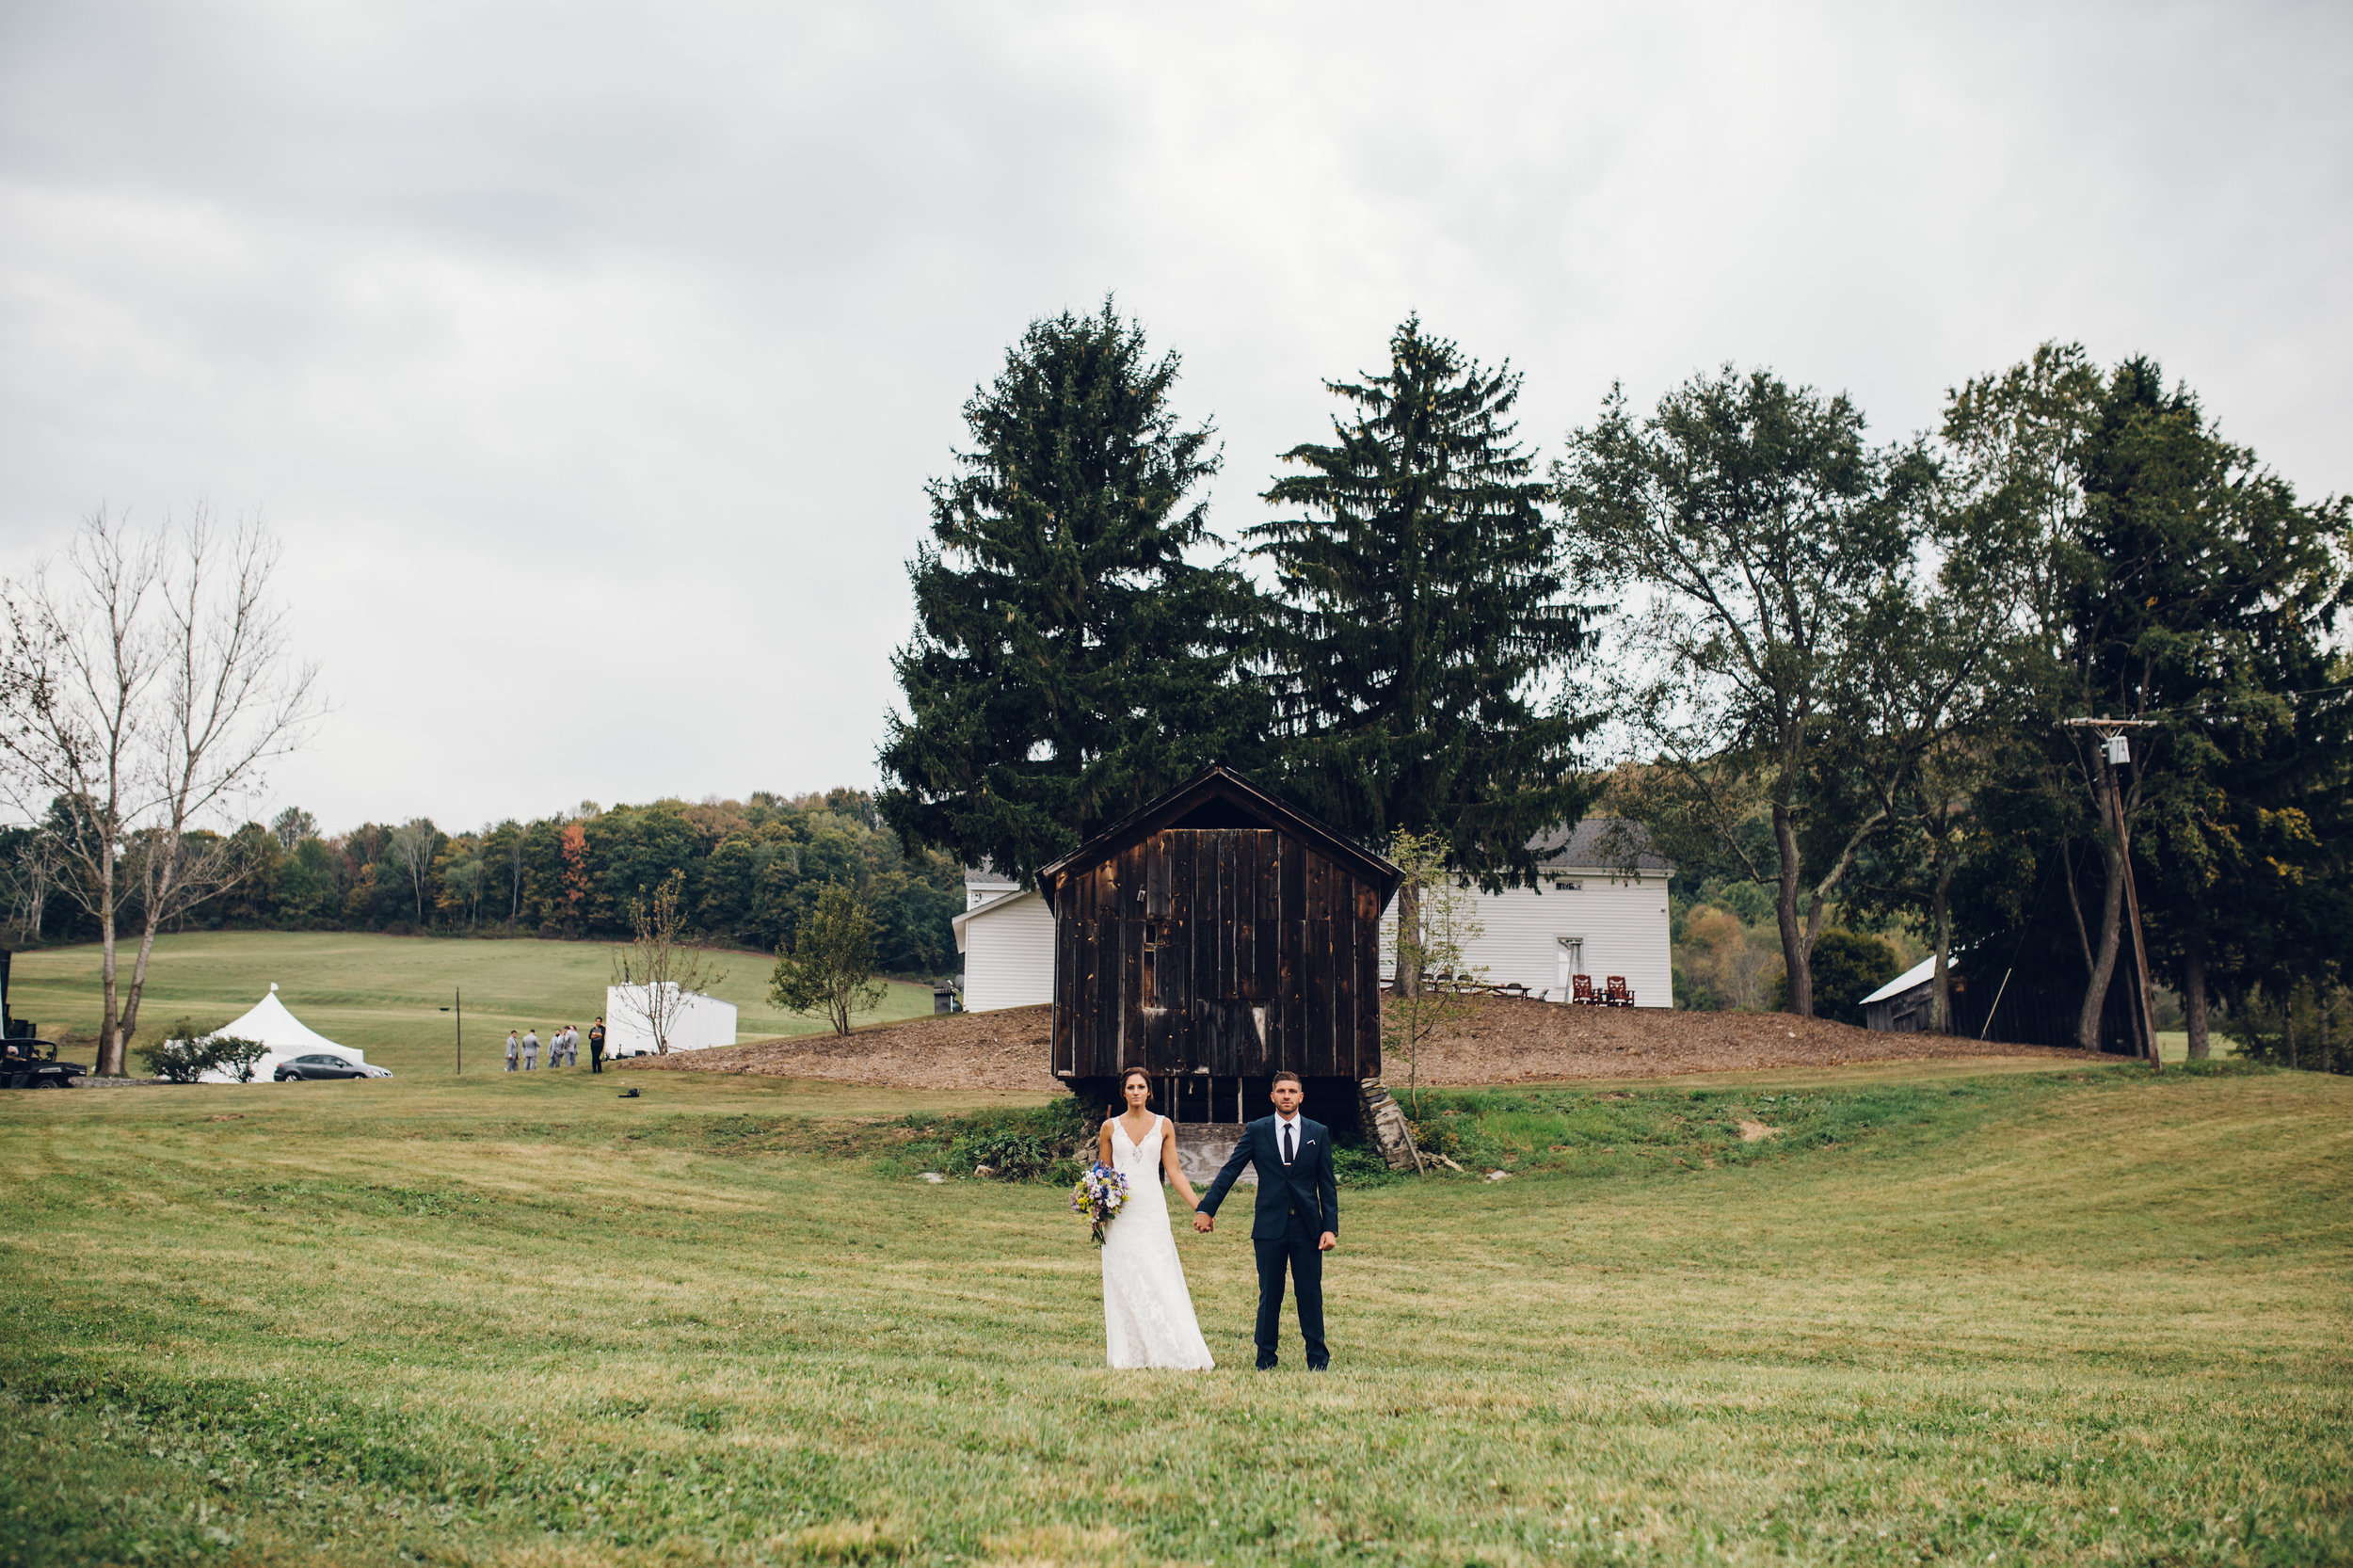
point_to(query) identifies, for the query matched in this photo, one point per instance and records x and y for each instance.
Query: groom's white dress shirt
(1291, 1124)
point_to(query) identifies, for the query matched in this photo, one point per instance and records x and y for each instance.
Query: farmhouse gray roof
(1599, 843)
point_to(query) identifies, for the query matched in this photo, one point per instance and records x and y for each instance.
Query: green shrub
(177, 1059)
(1847, 967)
(236, 1056)
(1357, 1166)
(1050, 1143)
(188, 1050)
(1436, 1135)
(1008, 1155)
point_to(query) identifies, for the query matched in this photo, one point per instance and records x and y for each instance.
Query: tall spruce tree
(1070, 660)
(1425, 616)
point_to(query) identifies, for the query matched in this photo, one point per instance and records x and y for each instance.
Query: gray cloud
(591, 358)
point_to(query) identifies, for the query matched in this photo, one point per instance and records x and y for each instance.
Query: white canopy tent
(286, 1036)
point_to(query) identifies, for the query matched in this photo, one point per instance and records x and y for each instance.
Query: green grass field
(384, 994)
(2088, 1317)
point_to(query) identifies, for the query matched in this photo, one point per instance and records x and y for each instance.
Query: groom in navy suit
(1298, 1219)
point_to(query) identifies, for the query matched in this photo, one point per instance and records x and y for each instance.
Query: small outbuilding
(695, 1022)
(1905, 1004)
(1215, 937)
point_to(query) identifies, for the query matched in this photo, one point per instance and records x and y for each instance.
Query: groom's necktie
(1287, 1143)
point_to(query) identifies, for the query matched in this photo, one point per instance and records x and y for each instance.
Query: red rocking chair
(1581, 991)
(1620, 994)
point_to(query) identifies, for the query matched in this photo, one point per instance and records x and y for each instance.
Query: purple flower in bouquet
(1098, 1196)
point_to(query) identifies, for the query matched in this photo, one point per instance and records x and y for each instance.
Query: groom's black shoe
(1266, 1365)
(1319, 1365)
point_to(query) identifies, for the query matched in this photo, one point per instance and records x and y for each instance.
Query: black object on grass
(628, 1095)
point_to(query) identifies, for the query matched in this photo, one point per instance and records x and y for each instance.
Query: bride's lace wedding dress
(1148, 1312)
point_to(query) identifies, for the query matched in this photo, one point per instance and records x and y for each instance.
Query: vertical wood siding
(1231, 952)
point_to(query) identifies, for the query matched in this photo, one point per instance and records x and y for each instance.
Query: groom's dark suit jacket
(1308, 1182)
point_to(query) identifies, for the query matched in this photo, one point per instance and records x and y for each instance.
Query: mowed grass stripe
(1978, 1334)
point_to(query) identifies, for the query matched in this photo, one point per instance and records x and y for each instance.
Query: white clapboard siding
(1619, 919)
(1008, 948)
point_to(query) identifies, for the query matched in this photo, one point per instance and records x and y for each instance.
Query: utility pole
(2118, 750)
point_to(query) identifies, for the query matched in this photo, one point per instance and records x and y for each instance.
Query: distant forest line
(751, 869)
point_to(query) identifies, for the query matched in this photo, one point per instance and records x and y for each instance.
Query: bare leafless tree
(515, 875)
(150, 683)
(33, 878)
(659, 972)
(1435, 988)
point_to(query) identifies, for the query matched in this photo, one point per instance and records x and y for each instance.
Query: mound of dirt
(1514, 1040)
(1005, 1050)
(1508, 1040)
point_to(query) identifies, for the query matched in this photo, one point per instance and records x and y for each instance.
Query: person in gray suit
(531, 1051)
(1298, 1219)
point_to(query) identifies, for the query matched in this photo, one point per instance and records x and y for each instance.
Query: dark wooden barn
(1213, 938)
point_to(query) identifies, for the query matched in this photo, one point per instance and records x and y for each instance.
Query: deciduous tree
(150, 683)
(1761, 527)
(828, 966)
(2162, 575)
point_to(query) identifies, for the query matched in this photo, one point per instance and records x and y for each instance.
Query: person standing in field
(571, 1045)
(531, 1051)
(514, 1046)
(595, 1046)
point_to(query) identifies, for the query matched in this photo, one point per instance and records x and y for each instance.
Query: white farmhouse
(1006, 935)
(1599, 909)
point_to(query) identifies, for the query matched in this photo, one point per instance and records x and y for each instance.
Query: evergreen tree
(1424, 617)
(1070, 660)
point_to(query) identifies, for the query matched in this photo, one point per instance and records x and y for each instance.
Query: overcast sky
(590, 358)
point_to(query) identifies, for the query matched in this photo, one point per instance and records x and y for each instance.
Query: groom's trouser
(1294, 1249)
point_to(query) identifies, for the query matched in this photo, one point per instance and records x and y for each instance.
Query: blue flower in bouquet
(1098, 1196)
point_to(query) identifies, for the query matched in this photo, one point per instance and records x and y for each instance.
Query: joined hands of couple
(1205, 1224)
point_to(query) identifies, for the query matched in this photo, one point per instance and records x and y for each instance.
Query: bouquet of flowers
(1098, 1196)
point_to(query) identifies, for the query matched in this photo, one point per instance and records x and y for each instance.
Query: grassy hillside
(383, 994)
(2079, 1317)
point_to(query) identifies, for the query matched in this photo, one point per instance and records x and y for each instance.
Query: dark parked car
(324, 1066)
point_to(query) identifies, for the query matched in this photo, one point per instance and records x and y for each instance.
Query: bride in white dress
(1148, 1312)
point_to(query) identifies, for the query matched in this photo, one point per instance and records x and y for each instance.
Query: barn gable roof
(1218, 797)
